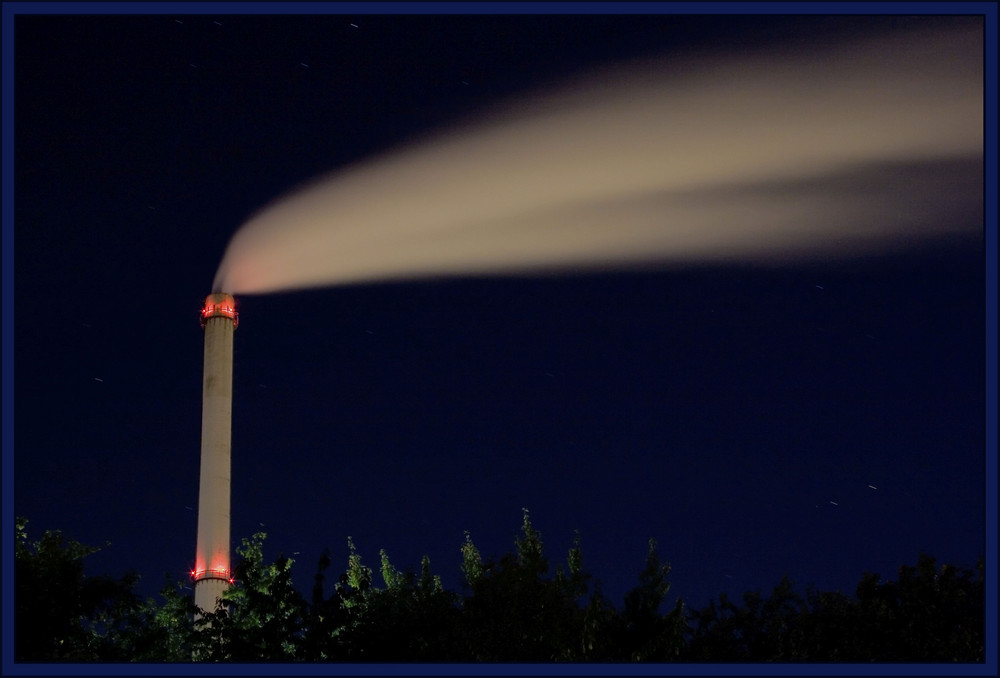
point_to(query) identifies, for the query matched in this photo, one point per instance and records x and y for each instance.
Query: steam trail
(772, 156)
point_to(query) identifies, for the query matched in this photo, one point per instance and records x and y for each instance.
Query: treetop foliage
(510, 609)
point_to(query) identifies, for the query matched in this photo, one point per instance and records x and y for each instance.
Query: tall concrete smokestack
(212, 574)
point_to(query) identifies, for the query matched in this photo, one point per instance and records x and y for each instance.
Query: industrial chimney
(212, 574)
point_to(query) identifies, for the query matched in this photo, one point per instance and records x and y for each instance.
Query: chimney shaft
(212, 574)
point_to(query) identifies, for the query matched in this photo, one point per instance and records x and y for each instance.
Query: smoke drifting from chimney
(774, 156)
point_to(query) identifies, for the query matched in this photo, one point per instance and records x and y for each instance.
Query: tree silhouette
(927, 615)
(510, 609)
(511, 612)
(60, 613)
(260, 617)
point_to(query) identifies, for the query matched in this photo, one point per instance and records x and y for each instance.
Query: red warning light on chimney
(220, 305)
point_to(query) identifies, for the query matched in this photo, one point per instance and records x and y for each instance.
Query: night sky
(818, 418)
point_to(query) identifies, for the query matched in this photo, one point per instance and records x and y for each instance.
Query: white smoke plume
(776, 155)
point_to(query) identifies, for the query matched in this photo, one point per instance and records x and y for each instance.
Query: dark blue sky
(820, 419)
